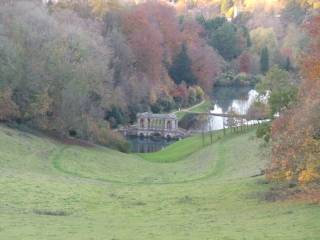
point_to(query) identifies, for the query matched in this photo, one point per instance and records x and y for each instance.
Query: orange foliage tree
(206, 62)
(153, 34)
(296, 134)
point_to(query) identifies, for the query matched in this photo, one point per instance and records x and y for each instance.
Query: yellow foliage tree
(101, 7)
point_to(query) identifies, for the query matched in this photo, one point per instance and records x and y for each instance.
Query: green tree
(264, 60)
(246, 35)
(180, 70)
(224, 39)
(282, 92)
(212, 24)
(283, 99)
(264, 131)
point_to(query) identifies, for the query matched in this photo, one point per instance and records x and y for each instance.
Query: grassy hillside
(182, 149)
(54, 191)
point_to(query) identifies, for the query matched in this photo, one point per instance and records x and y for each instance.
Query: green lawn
(203, 107)
(184, 148)
(54, 191)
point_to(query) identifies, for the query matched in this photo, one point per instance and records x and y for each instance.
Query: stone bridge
(150, 124)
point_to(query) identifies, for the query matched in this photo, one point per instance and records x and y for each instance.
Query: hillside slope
(54, 191)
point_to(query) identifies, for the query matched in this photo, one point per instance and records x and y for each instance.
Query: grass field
(53, 191)
(203, 107)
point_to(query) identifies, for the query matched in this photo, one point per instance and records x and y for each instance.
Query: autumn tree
(152, 42)
(207, 64)
(245, 62)
(295, 150)
(225, 6)
(101, 7)
(56, 70)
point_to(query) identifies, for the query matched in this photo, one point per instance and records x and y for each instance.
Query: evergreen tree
(212, 24)
(288, 64)
(264, 60)
(247, 36)
(180, 69)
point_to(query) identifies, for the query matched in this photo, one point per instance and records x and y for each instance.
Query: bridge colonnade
(162, 124)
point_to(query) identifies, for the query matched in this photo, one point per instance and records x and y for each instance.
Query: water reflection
(146, 145)
(226, 99)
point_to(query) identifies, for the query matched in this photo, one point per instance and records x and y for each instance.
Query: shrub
(264, 131)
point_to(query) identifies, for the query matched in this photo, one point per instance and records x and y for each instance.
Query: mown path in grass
(188, 160)
(126, 169)
(203, 106)
(50, 191)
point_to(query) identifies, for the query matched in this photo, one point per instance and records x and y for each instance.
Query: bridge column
(151, 123)
(145, 123)
(169, 124)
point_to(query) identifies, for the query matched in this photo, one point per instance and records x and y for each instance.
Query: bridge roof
(170, 116)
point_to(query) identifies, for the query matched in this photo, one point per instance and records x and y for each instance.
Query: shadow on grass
(57, 213)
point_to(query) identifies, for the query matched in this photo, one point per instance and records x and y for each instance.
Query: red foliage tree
(153, 33)
(206, 63)
(245, 62)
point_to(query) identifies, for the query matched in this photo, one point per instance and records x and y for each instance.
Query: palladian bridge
(150, 124)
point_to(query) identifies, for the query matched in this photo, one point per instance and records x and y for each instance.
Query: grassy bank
(202, 107)
(185, 147)
(51, 191)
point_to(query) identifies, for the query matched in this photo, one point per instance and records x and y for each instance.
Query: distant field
(54, 191)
